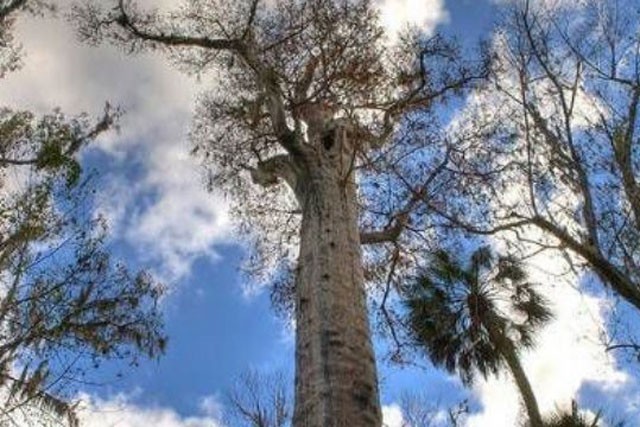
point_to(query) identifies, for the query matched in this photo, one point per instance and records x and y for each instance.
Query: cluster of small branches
(281, 68)
(65, 305)
(545, 154)
(259, 400)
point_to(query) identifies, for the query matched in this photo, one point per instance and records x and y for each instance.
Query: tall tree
(307, 93)
(477, 317)
(64, 304)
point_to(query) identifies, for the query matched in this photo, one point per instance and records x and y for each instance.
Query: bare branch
(125, 21)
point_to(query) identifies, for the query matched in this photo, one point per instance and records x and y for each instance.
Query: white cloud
(425, 14)
(568, 355)
(211, 406)
(182, 221)
(119, 412)
(392, 416)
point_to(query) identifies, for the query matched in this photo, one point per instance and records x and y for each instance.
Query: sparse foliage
(421, 411)
(65, 306)
(548, 148)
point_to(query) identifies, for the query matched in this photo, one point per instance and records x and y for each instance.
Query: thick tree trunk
(336, 382)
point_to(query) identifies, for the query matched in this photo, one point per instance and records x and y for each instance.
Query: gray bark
(336, 381)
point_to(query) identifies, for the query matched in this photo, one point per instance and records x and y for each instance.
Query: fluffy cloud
(426, 14)
(119, 412)
(568, 356)
(178, 221)
(211, 406)
(392, 416)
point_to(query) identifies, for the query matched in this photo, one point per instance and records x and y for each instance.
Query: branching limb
(72, 145)
(622, 142)
(303, 85)
(390, 233)
(244, 47)
(269, 172)
(604, 267)
(127, 23)
(397, 353)
(250, 20)
(400, 220)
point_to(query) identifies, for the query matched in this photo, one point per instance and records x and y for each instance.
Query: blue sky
(162, 218)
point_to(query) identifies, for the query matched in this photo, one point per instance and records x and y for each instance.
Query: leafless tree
(260, 400)
(419, 410)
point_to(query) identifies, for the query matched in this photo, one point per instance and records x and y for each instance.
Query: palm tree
(477, 317)
(571, 419)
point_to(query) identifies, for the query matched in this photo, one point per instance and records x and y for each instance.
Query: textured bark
(336, 382)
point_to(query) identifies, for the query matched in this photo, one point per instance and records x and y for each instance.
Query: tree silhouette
(477, 317)
(573, 418)
(259, 400)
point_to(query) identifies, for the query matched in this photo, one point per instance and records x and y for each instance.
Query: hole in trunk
(328, 140)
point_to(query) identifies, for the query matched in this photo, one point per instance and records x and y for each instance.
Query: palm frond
(572, 418)
(452, 306)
